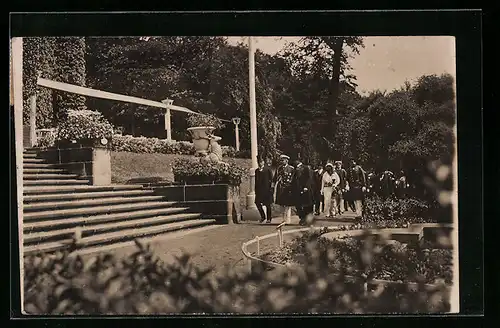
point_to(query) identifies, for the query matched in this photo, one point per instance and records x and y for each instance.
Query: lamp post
(236, 122)
(253, 123)
(168, 126)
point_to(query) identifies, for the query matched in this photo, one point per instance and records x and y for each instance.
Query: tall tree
(325, 57)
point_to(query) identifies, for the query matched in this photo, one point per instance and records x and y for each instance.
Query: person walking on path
(330, 181)
(303, 183)
(284, 188)
(319, 204)
(356, 178)
(263, 190)
(342, 187)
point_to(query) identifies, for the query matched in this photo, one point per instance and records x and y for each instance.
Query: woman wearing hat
(284, 187)
(329, 184)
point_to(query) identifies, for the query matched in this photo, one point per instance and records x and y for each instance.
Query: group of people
(329, 189)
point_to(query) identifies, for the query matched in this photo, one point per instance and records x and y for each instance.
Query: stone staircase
(59, 207)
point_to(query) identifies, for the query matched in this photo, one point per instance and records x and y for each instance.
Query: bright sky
(386, 62)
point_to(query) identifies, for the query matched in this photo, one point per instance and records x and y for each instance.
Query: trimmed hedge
(142, 284)
(397, 213)
(162, 146)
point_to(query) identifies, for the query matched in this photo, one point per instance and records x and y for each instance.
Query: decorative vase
(199, 135)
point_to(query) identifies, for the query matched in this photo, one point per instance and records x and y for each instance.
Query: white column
(237, 136)
(253, 123)
(17, 86)
(168, 125)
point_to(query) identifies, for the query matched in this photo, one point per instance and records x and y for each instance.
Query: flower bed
(192, 171)
(392, 261)
(83, 125)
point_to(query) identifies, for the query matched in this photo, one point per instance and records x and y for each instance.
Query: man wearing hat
(284, 187)
(263, 190)
(343, 186)
(303, 182)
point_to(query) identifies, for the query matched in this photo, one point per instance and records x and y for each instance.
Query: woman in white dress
(329, 183)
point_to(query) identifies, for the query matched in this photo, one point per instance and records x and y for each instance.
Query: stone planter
(199, 135)
(82, 143)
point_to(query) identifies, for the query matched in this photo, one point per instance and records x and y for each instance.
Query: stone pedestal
(89, 162)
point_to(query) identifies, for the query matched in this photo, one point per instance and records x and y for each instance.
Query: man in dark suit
(303, 184)
(263, 190)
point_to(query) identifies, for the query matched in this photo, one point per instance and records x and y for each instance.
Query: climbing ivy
(38, 58)
(70, 68)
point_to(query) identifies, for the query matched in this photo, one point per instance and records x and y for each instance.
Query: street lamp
(236, 122)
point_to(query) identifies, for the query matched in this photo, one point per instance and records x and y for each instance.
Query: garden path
(220, 246)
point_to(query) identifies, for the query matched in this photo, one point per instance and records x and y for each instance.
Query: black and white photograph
(163, 175)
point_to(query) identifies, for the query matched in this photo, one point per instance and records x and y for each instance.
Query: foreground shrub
(141, 284)
(83, 125)
(192, 171)
(397, 213)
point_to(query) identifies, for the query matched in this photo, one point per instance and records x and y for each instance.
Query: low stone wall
(435, 231)
(216, 201)
(93, 163)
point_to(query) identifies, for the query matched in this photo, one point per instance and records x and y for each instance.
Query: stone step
(77, 197)
(35, 190)
(88, 231)
(54, 182)
(33, 160)
(39, 165)
(43, 170)
(30, 155)
(87, 211)
(129, 234)
(49, 176)
(114, 237)
(88, 202)
(65, 223)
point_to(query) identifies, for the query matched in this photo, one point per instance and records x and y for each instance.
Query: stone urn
(200, 137)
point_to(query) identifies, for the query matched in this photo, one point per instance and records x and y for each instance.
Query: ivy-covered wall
(70, 68)
(38, 58)
(60, 59)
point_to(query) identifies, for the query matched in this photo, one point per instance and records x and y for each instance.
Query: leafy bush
(195, 120)
(46, 140)
(230, 151)
(191, 170)
(393, 261)
(397, 213)
(141, 284)
(83, 125)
